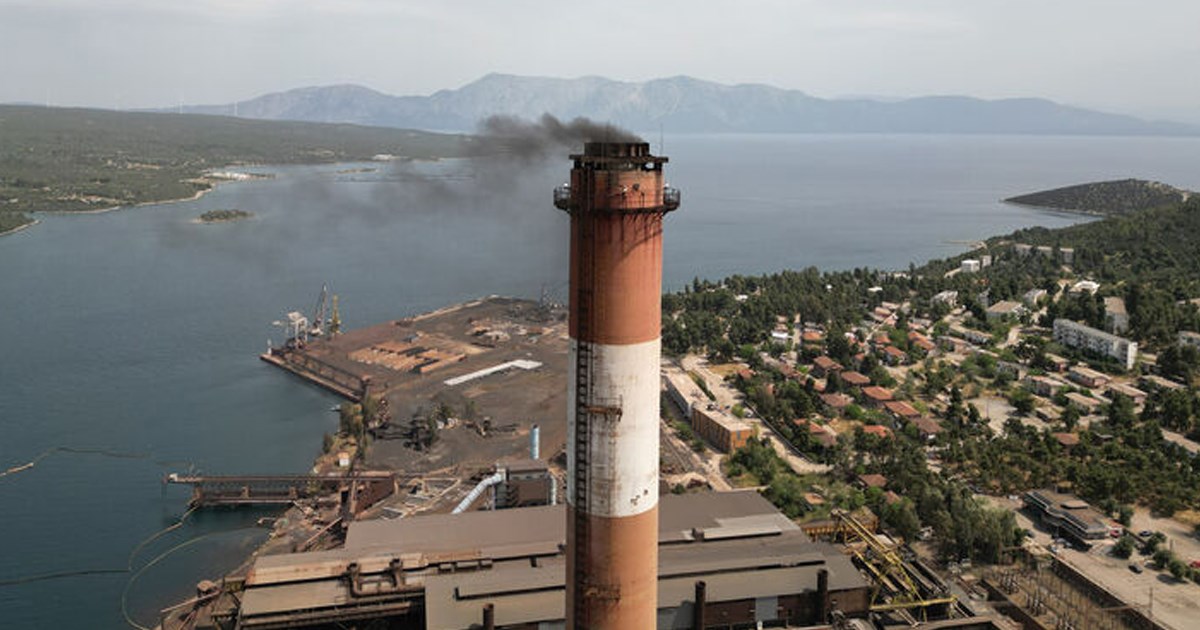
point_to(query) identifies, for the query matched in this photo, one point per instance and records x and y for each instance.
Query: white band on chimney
(623, 471)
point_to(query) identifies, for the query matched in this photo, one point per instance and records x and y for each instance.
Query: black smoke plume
(533, 140)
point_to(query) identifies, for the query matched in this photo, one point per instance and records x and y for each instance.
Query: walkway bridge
(358, 490)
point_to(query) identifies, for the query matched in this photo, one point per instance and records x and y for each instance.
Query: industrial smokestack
(535, 442)
(616, 199)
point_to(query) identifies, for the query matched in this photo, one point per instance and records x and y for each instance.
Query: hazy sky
(1137, 57)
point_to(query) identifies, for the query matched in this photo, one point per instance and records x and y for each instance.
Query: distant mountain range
(682, 105)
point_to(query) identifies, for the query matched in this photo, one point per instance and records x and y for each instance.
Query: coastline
(1071, 211)
(20, 228)
(213, 184)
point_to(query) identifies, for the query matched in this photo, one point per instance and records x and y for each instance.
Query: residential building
(1032, 296)
(1188, 338)
(1077, 335)
(894, 356)
(970, 265)
(977, 337)
(928, 428)
(1057, 363)
(878, 430)
(901, 410)
(872, 480)
(1067, 254)
(836, 402)
(822, 434)
(1087, 404)
(876, 396)
(1136, 395)
(855, 379)
(1005, 310)
(823, 366)
(1048, 414)
(946, 297)
(1044, 386)
(1153, 381)
(1014, 370)
(1088, 377)
(954, 344)
(1116, 319)
(921, 342)
(1067, 440)
(1085, 285)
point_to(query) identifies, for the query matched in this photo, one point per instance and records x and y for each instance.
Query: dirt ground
(486, 333)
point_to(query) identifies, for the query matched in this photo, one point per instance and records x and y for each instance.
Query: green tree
(1124, 547)
(1022, 401)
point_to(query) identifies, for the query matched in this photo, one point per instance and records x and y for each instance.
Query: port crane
(326, 321)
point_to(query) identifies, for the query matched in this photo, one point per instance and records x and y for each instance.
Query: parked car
(1145, 533)
(1135, 567)
(1195, 564)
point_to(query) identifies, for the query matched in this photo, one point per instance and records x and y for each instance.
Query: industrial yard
(484, 372)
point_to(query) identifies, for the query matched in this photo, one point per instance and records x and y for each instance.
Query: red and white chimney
(616, 199)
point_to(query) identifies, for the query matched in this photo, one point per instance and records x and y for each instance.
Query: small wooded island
(224, 216)
(1110, 198)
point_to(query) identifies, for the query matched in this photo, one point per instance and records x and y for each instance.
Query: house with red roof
(873, 480)
(875, 396)
(836, 402)
(878, 430)
(823, 366)
(928, 428)
(894, 356)
(901, 410)
(855, 379)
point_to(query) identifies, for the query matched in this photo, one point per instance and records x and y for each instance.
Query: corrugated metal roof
(736, 541)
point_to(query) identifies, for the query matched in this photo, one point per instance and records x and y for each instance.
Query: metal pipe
(699, 602)
(822, 595)
(488, 482)
(535, 442)
(489, 616)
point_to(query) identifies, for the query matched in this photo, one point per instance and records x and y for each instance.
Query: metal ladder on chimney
(583, 373)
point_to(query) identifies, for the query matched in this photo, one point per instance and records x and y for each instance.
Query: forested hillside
(1112, 198)
(55, 159)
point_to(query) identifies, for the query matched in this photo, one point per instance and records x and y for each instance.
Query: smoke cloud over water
(493, 212)
(538, 139)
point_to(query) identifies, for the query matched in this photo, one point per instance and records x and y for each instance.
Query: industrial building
(1070, 517)
(723, 431)
(1077, 335)
(725, 560)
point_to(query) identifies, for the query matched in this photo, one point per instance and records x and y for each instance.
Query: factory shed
(442, 571)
